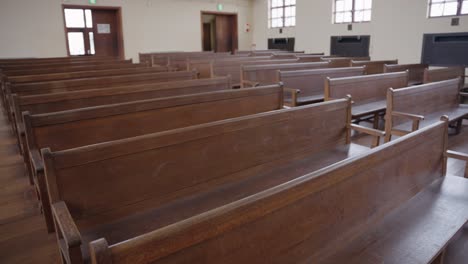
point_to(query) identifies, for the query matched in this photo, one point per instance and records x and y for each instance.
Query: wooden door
(106, 33)
(207, 37)
(224, 32)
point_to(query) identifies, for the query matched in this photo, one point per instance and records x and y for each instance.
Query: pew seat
(368, 107)
(454, 115)
(417, 231)
(255, 179)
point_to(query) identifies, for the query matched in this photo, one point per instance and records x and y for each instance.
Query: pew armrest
(66, 225)
(464, 94)
(408, 115)
(459, 156)
(36, 161)
(293, 95)
(377, 134)
(246, 83)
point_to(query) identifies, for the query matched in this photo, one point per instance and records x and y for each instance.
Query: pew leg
(376, 120)
(439, 259)
(29, 170)
(45, 202)
(458, 126)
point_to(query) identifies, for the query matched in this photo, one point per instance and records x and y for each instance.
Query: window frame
(459, 9)
(353, 10)
(283, 18)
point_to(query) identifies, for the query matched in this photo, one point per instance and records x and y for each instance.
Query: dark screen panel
(350, 46)
(446, 49)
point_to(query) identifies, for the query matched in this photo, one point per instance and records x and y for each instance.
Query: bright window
(352, 11)
(440, 8)
(282, 13)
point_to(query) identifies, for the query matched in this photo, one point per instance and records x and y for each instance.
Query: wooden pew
(47, 103)
(87, 126)
(205, 68)
(55, 64)
(30, 61)
(88, 83)
(414, 107)
(233, 67)
(262, 74)
(165, 177)
(373, 67)
(341, 62)
(386, 206)
(49, 70)
(415, 71)
(84, 74)
(442, 74)
(368, 92)
(307, 86)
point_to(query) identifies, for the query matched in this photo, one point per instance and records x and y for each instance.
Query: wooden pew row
(48, 70)
(166, 177)
(373, 67)
(442, 74)
(233, 67)
(385, 206)
(415, 107)
(4, 62)
(294, 55)
(369, 92)
(262, 74)
(205, 67)
(87, 126)
(47, 103)
(179, 62)
(307, 86)
(415, 71)
(147, 57)
(84, 74)
(89, 83)
(58, 64)
(341, 62)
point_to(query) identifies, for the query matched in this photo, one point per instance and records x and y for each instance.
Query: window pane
(359, 4)
(450, 9)
(89, 18)
(339, 17)
(290, 11)
(277, 22)
(367, 4)
(91, 43)
(76, 43)
(339, 6)
(276, 3)
(277, 12)
(367, 15)
(347, 17)
(74, 18)
(358, 16)
(348, 5)
(437, 10)
(464, 9)
(290, 2)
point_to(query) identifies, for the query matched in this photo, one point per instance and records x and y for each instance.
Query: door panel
(105, 33)
(224, 34)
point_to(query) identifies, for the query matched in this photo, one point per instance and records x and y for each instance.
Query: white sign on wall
(103, 29)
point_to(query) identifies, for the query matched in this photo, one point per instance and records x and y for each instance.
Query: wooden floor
(23, 237)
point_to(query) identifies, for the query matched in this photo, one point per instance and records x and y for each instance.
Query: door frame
(118, 12)
(235, 34)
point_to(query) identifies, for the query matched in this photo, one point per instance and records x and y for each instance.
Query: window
(352, 11)
(439, 8)
(79, 31)
(282, 13)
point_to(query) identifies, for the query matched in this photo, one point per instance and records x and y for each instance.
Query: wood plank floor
(23, 237)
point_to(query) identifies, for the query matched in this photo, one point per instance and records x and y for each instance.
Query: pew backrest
(365, 88)
(373, 67)
(340, 62)
(301, 221)
(415, 71)
(442, 74)
(311, 83)
(252, 75)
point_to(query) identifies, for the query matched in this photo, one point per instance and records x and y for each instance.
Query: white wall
(396, 29)
(34, 28)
